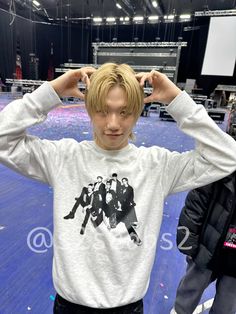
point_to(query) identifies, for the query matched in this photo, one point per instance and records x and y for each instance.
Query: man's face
(90, 188)
(112, 129)
(125, 183)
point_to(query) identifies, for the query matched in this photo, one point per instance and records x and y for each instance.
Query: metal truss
(141, 44)
(168, 74)
(24, 82)
(138, 54)
(215, 13)
(227, 88)
(135, 67)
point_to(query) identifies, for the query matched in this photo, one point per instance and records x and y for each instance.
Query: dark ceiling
(80, 9)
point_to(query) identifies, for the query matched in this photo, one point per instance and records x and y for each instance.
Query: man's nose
(113, 121)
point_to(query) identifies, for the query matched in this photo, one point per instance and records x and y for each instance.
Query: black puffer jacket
(207, 214)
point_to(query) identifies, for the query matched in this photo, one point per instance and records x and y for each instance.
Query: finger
(78, 94)
(88, 70)
(139, 75)
(148, 99)
(152, 75)
(143, 79)
(80, 73)
(85, 79)
(157, 75)
(86, 73)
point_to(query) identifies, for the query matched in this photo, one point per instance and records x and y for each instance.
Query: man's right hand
(66, 85)
(164, 90)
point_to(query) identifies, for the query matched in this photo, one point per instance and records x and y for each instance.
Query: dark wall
(73, 41)
(75, 49)
(7, 45)
(35, 37)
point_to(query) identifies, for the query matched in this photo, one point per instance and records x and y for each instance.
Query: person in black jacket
(206, 234)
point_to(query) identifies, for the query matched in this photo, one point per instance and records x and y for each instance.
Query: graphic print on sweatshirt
(110, 203)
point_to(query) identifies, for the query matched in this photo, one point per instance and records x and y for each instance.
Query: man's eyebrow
(120, 107)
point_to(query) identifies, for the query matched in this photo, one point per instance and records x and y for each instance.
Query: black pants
(62, 306)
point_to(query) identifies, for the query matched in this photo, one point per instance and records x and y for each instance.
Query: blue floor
(25, 276)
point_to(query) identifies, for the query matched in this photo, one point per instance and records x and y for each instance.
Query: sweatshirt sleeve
(24, 153)
(214, 156)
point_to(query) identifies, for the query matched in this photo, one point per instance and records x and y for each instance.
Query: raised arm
(28, 154)
(215, 154)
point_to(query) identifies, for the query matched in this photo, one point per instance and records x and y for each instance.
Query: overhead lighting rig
(215, 12)
(142, 19)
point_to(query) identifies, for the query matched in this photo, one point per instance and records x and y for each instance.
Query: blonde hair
(108, 76)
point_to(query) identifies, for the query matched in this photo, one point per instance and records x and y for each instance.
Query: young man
(104, 269)
(209, 217)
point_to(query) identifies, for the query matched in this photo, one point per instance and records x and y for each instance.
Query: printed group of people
(111, 202)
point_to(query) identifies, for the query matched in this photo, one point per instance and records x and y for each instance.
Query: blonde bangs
(104, 79)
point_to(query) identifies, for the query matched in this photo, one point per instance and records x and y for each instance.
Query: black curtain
(72, 45)
(24, 34)
(7, 46)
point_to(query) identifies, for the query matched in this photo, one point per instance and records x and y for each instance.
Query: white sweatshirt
(104, 268)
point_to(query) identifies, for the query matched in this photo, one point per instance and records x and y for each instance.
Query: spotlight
(110, 19)
(36, 3)
(185, 16)
(154, 4)
(118, 6)
(97, 19)
(138, 18)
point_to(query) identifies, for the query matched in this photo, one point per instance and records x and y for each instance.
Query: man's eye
(101, 112)
(125, 113)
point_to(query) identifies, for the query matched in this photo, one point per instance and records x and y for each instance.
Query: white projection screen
(220, 53)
